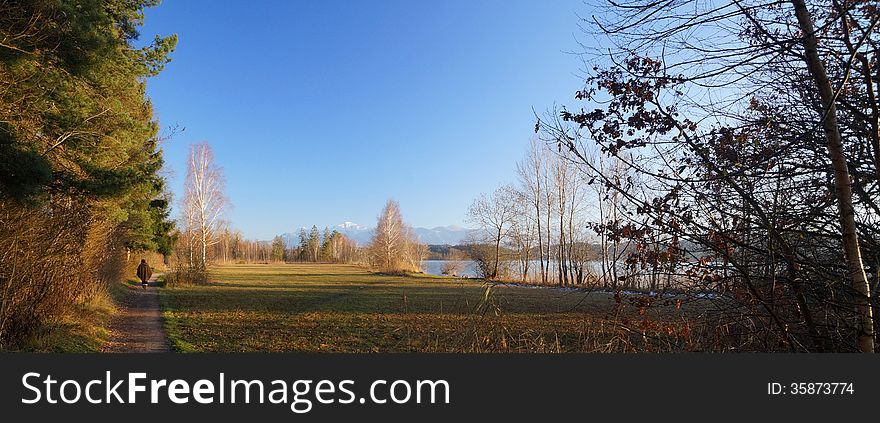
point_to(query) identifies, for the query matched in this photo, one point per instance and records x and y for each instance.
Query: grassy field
(344, 308)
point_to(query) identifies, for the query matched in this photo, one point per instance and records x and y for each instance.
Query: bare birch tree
(394, 246)
(204, 203)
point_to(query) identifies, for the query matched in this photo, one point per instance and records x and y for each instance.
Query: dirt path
(138, 325)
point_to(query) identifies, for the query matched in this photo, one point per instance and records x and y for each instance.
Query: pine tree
(79, 155)
(327, 245)
(314, 244)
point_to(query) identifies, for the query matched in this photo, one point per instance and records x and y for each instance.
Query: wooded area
(79, 175)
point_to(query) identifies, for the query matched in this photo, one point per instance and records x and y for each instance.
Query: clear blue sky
(319, 111)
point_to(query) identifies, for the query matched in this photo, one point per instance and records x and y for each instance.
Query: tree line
(313, 246)
(80, 187)
(546, 227)
(332, 247)
(207, 238)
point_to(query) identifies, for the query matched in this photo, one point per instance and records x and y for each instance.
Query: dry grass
(82, 328)
(343, 308)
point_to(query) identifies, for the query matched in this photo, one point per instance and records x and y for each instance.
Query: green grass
(344, 308)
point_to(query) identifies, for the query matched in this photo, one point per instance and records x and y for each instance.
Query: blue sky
(320, 111)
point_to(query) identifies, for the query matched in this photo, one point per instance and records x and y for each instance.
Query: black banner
(310, 387)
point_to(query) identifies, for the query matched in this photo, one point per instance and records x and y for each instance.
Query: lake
(468, 268)
(462, 268)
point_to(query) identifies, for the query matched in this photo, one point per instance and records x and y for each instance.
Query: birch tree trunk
(843, 190)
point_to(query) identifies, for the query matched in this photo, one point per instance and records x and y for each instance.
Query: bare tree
(753, 125)
(843, 190)
(561, 180)
(522, 232)
(204, 202)
(394, 246)
(531, 172)
(493, 214)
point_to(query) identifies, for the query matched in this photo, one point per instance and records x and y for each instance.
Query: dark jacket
(144, 272)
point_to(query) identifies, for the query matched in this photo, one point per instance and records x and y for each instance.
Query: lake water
(462, 268)
(468, 268)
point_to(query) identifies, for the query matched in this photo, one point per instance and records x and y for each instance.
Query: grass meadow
(345, 308)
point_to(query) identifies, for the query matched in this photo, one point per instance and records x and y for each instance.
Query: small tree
(394, 246)
(493, 214)
(327, 250)
(303, 254)
(278, 249)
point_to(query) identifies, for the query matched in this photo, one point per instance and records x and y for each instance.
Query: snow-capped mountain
(451, 235)
(357, 233)
(350, 226)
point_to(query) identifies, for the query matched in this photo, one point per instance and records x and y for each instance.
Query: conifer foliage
(79, 158)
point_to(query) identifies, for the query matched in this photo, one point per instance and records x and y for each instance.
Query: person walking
(144, 272)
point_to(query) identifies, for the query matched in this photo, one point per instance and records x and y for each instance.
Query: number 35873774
(810, 388)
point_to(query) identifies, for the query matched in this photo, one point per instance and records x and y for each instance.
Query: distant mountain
(357, 233)
(351, 226)
(440, 235)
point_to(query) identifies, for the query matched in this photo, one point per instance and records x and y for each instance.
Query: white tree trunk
(852, 251)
